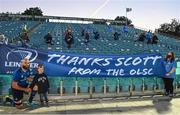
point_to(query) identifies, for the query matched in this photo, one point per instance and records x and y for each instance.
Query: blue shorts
(17, 95)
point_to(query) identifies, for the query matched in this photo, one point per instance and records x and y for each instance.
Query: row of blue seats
(83, 84)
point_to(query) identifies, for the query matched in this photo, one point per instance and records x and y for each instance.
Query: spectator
(42, 83)
(96, 35)
(69, 38)
(125, 30)
(136, 37)
(148, 36)
(82, 32)
(154, 39)
(141, 37)
(116, 36)
(20, 84)
(25, 39)
(3, 39)
(48, 38)
(86, 38)
(170, 67)
(24, 28)
(69, 30)
(110, 27)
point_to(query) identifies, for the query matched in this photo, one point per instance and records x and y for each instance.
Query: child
(41, 83)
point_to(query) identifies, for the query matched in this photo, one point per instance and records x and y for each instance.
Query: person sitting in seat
(3, 39)
(141, 37)
(48, 38)
(136, 37)
(154, 39)
(82, 32)
(116, 36)
(148, 36)
(25, 28)
(25, 39)
(86, 38)
(96, 35)
(125, 30)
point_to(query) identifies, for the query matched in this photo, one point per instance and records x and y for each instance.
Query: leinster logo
(22, 53)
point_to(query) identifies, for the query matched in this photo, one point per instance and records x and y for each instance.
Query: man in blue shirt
(148, 36)
(125, 29)
(170, 67)
(21, 77)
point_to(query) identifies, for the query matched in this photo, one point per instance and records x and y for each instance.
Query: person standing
(42, 83)
(69, 39)
(170, 67)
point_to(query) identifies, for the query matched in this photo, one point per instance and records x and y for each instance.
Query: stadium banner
(82, 65)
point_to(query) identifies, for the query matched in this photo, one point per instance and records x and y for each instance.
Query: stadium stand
(12, 29)
(105, 45)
